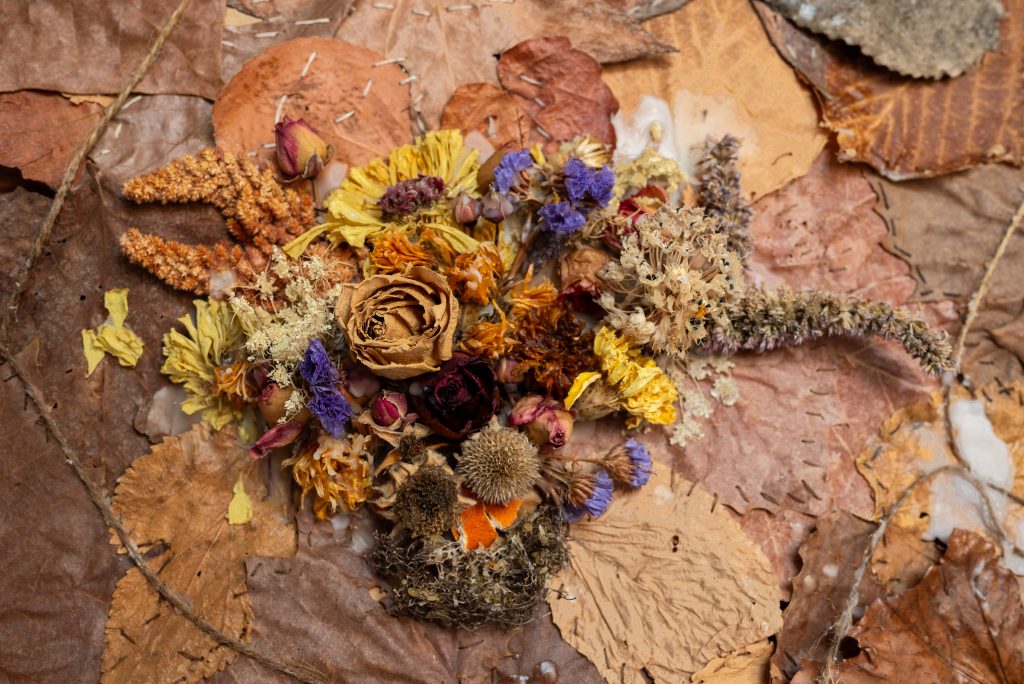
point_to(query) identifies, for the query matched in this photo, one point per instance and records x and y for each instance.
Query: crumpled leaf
(962, 623)
(456, 43)
(929, 221)
(662, 583)
(727, 78)
(40, 132)
(571, 98)
(112, 38)
(321, 607)
(928, 39)
(112, 337)
(172, 501)
(747, 665)
(906, 128)
(913, 442)
(332, 87)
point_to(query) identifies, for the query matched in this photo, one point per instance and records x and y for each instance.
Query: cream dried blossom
(674, 277)
(284, 311)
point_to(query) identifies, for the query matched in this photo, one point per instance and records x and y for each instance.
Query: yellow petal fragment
(579, 386)
(112, 337)
(240, 507)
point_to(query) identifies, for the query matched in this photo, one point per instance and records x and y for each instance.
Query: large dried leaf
(320, 607)
(779, 535)
(748, 665)
(550, 92)
(174, 501)
(804, 414)
(929, 39)
(39, 133)
(321, 81)
(727, 78)
(947, 229)
(906, 128)
(446, 45)
(662, 583)
(21, 213)
(59, 572)
(62, 46)
(151, 131)
(962, 623)
(914, 441)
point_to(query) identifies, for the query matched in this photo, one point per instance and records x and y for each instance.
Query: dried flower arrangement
(426, 349)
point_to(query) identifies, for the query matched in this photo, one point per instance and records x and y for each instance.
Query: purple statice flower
(641, 461)
(577, 177)
(316, 367)
(331, 409)
(509, 167)
(602, 183)
(561, 218)
(326, 402)
(596, 504)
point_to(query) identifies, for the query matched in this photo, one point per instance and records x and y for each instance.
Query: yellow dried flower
(642, 388)
(354, 207)
(195, 357)
(338, 471)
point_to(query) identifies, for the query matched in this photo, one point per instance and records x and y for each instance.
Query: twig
(76, 161)
(180, 602)
(979, 296)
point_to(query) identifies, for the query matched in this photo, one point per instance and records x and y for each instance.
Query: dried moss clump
(500, 464)
(428, 502)
(435, 579)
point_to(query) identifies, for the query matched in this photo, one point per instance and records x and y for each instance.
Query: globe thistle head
(428, 502)
(499, 464)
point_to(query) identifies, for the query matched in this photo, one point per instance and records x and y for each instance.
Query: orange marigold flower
(526, 297)
(337, 471)
(229, 381)
(474, 276)
(489, 339)
(394, 251)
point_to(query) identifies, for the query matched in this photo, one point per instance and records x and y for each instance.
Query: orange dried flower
(474, 276)
(393, 252)
(526, 297)
(489, 339)
(337, 471)
(444, 251)
(229, 381)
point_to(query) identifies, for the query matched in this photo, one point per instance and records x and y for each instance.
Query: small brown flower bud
(466, 209)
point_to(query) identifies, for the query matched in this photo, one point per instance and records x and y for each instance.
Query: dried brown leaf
(320, 607)
(456, 44)
(662, 583)
(928, 39)
(55, 45)
(947, 229)
(830, 556)
(907, 128)
(332, 87)
(962, 623)
(571, 98)
(174, 501)
(727, 78)
(901, 559)
(489, 110)
(39, 133)
(21, 214)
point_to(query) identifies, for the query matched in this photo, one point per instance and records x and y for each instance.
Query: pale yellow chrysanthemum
(193, 358)
(640, 385)
(355, 214)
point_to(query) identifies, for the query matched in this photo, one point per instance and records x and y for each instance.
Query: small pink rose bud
(508, 370)
(388, 408)
(466, 209)
(547, 422)
(301, 153)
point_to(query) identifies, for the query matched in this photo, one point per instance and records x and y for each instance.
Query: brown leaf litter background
(776, 475)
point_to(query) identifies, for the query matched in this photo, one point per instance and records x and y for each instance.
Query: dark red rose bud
(388, 408)
(460, 397)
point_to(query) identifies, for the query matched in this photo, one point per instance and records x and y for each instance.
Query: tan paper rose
(399, 326)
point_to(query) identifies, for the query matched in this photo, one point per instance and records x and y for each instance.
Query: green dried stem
(762, 321)
(721, 194)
